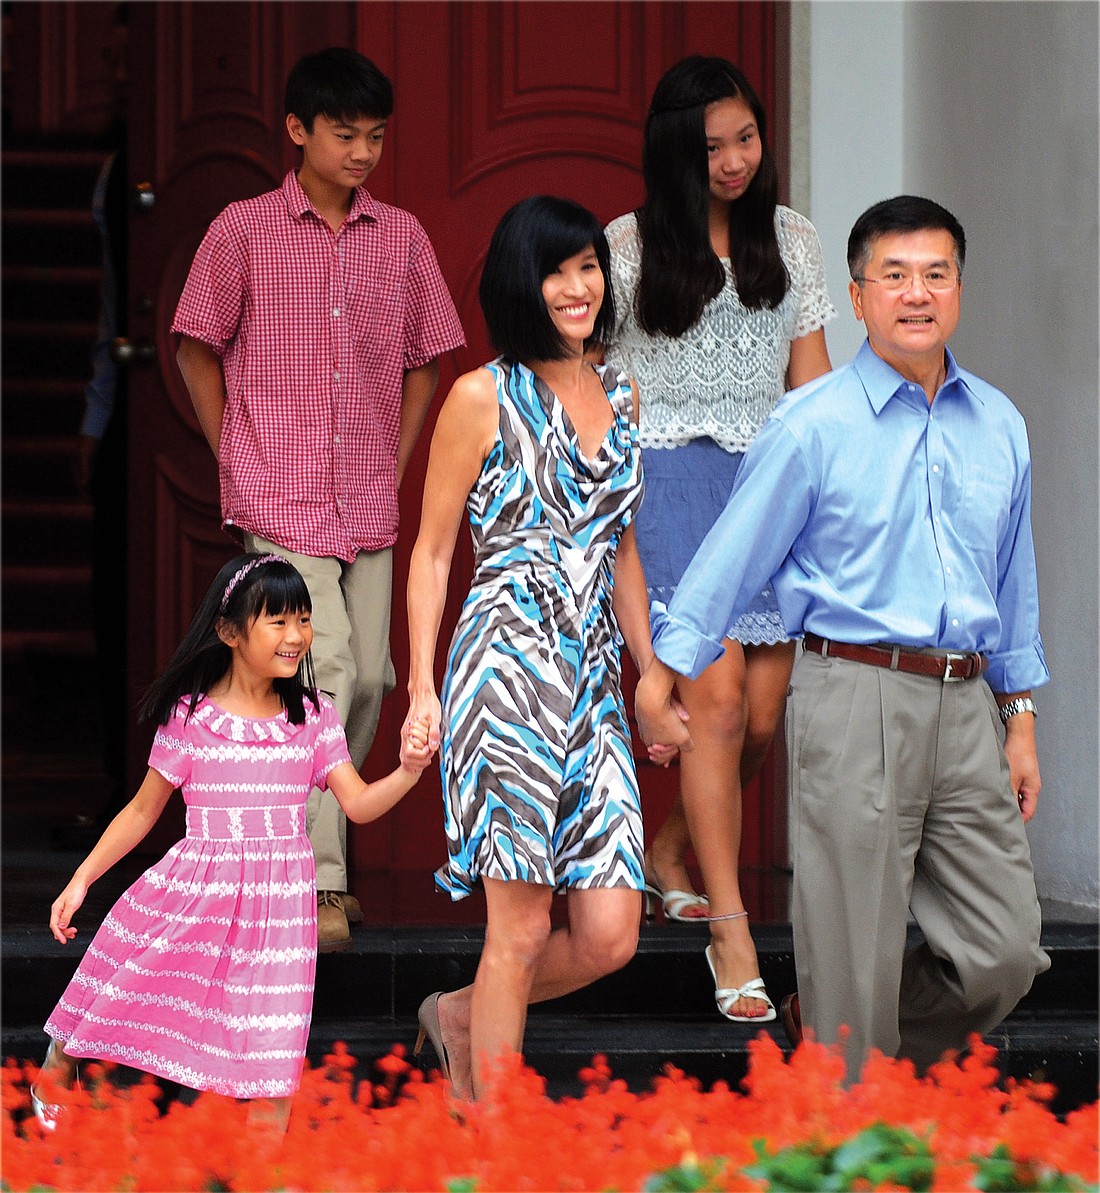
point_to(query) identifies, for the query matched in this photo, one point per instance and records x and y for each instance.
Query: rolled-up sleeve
(1018, 663)
(766, 512)
(213, 297)
(432, 325)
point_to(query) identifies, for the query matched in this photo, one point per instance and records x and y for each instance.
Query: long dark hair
(246, 587)
(680, 271)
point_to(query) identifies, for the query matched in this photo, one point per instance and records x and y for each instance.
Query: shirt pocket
(984, 509)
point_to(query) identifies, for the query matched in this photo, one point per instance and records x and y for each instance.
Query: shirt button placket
(337, 406)
(339, 477)
(936, 466)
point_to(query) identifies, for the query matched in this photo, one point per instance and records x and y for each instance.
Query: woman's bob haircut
(532, 239)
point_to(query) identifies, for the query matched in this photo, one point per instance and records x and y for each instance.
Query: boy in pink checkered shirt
(310, 325)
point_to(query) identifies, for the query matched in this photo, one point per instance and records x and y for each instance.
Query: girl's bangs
(279, 590)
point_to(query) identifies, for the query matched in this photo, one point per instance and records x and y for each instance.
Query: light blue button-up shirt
(879, 518)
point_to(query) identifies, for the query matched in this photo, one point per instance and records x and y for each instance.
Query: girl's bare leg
(767, 678)
(268, 1118)
(719, 702)
(59, 1066)
(767, 673)
(710, 786)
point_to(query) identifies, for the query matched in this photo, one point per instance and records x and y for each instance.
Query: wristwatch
(1020, 704)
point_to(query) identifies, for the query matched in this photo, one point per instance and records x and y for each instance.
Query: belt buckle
(949, 675)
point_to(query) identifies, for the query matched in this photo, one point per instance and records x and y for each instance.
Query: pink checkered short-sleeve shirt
(316, 330)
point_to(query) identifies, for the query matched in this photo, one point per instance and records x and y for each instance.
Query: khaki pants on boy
(351, 659)
(900, 800)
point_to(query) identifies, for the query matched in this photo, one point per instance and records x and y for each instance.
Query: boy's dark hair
(532, 239)
(338, 83)
(680, 272)
(905, 213)
(268, 583)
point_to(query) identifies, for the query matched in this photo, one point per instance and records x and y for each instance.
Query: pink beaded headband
(240, 574)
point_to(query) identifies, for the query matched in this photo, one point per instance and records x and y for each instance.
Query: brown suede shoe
(333, 933)
(791, 1014)
(352, 909)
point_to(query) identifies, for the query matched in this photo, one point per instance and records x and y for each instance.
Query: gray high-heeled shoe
(428, 1019)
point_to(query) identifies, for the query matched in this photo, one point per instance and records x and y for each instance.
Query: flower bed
(793, 1127)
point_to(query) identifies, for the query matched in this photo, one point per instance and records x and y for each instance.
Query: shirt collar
(881, 381)
(363, 206)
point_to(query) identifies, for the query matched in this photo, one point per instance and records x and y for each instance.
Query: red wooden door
(494, 101)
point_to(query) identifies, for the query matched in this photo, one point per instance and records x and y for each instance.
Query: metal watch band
(1020, 704)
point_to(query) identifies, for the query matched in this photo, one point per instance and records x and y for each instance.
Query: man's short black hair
(906, 213)
(532, 239)
(338, 83)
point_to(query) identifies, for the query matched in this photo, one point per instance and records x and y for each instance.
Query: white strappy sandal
(675, 903)
(726, 996)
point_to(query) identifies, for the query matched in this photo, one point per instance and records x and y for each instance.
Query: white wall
(991, 109)
(857, 133)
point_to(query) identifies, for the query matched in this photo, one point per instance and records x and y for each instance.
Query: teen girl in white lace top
(723, 301)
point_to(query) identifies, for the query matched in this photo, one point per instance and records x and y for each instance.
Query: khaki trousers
(901, 801)
(351, 658)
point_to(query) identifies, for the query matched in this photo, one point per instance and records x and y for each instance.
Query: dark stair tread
(52, 159)
(51, 643)
(40, 574)
(65, 275)
(68, 511)
(81, 330)
(42, 387)
(551, 1035)
(50, 217)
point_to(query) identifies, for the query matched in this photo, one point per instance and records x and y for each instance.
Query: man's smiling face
(911, 325)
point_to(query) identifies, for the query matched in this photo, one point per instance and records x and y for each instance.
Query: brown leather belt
(950, 666)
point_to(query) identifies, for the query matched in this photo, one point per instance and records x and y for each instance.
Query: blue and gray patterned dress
(538, 773)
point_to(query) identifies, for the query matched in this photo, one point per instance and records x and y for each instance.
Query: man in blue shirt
(889, 503)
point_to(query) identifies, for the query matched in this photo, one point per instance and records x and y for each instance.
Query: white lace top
(722, 377)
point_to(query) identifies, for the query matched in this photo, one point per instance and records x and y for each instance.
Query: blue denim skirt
(686, 488)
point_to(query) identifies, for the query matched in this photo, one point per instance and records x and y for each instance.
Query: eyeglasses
(897, 281)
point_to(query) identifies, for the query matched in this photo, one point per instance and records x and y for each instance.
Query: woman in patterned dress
(539, 447)
(722, 305)
(203, 970)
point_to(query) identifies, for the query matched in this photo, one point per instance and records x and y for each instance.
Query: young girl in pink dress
(203, 970)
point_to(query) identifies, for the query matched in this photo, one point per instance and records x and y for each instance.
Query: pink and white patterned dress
(203, 970)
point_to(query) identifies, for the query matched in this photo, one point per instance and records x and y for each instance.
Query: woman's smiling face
(573, 294)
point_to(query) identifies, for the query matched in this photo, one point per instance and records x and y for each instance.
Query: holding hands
(662, 719)
(417, 747)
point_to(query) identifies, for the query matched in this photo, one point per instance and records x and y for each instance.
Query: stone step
(1061, 1050)
(58, 178)
(38, 533)
(54, 347)
(48, 675)
(32, 236)
(40, 406)
(45, 597)
(388, 971)
(59, 292)
(40, 468)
